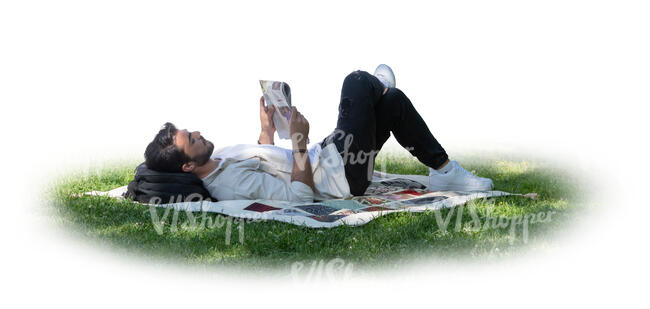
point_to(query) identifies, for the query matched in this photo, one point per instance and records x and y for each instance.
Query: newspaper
(279, 95)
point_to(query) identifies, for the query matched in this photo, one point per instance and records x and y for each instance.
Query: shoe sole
(387, 68)
(455, 188)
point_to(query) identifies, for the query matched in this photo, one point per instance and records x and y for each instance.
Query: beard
(203, 158)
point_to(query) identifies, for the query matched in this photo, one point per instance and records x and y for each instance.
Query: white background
(85, 82)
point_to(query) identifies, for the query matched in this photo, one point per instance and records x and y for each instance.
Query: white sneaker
(385, 75)
(457, 179)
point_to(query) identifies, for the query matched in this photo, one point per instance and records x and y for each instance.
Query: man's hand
(298, 129)
(266, 121)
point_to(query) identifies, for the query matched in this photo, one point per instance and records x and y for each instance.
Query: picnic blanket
(388, 193)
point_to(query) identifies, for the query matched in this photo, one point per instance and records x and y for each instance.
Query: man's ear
(188, 167)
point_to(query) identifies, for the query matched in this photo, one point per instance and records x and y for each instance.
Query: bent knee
(358, 75)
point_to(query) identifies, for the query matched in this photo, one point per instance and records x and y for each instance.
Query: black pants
(366, 118)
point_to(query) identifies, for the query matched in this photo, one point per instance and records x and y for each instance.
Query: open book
(278, 94)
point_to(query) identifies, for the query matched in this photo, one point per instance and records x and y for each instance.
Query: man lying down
(338, 167)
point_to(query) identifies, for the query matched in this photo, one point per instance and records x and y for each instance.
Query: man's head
(174, 150)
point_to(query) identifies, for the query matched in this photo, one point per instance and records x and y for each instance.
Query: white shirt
(264, 172)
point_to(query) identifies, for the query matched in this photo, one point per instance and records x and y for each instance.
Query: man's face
(195, 146)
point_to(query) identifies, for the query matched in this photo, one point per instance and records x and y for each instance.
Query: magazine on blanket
(279, 95)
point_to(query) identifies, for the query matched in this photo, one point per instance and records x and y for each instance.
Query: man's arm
(299, 130)
(266, 121)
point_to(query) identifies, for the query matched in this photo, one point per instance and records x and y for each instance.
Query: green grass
(385, 242)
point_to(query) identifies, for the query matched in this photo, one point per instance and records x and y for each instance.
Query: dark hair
(162, 155)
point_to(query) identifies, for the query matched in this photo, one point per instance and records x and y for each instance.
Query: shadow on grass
(388, 241)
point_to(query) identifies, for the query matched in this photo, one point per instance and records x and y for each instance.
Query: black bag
(149, 186)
